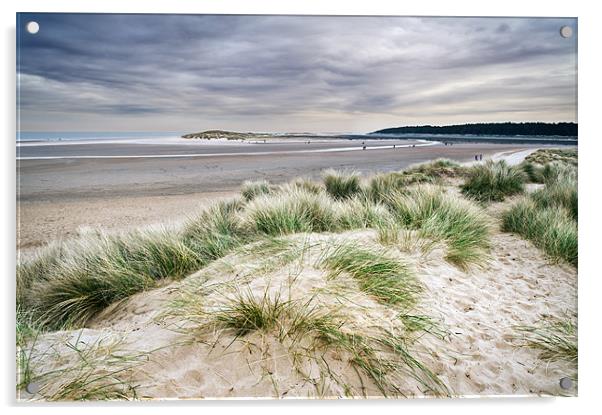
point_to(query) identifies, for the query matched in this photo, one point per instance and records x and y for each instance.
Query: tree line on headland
(567, 129)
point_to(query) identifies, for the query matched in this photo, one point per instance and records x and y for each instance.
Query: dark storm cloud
(186, 72)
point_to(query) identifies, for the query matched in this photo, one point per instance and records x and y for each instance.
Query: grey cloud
(196, 71)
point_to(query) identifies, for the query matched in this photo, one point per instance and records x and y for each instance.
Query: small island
(225, 135)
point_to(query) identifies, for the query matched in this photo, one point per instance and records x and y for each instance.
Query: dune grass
(437, 169)
(98, 371)
(315, 330)
(560, 189)
(567, 156)
(341, 185)
(383, 184)
(251, 189)
(493, 181)
(99, 270)
(533, 172)
(294, 211)
(551, 229)
(554, 339)
(463, 226)
(216, 231)
(378, 274)
(548, 217)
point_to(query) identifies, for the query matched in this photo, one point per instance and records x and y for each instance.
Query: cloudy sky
(85, 72)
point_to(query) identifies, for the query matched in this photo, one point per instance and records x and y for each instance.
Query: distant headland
(565, 129)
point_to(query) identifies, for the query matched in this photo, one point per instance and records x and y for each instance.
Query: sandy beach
(58, 197)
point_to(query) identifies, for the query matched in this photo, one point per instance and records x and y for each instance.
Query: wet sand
(58, 197)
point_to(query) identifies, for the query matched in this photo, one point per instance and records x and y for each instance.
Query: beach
(119, 185)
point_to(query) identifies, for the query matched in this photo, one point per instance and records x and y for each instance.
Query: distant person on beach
(480, 157)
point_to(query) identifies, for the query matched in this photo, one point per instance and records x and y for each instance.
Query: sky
(90, 72)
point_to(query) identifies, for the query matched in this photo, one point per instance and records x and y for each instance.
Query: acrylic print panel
(219, 206)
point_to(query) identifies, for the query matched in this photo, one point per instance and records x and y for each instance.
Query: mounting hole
(32, 388)
(566, 31)
(566, 383)
(32, 27)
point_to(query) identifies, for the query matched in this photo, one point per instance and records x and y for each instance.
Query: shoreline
(77, 207)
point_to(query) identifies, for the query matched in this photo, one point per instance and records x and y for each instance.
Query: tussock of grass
(555, 339)
(438, 168)
(359, 213)
(290, 212)
(216, 231)
(251, 189)
(560, 189)
(548, 216)
(551, 229)
(341, 185)
(567, 156)
(98, 271)
(306, 184)
(381, 185)
(379, 275)
(246, 313)
(533, 172)
(442, 217)
(493, 181)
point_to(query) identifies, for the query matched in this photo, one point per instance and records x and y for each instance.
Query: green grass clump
(383, 184)
(307, 185)
(341, 185)
(548, 217)
(551, 229)
(555, 339)
(437, 215)
(246, 313)
(216, 231)
(493, 181)
(100, 270)
(251, 189)
(533, 172)
(360, 213)
(437, 168)
(385, 278)
(566, 156)
(292, 211)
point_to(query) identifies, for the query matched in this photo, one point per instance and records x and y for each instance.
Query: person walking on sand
(480, 157)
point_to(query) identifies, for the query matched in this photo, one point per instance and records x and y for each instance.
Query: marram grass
(493, 181)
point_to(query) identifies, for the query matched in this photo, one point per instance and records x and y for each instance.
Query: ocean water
(24, 136)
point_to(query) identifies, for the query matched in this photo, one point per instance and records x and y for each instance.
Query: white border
(590, 149)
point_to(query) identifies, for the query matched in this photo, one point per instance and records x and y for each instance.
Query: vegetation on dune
(251, 189)
(312, 330)
(440, 216)
(493, 181)
(289, 212)
(100, 371)
(548, 217)
(381, 185)
(551, 229)
(378, 274)
(94, 272)
(438, 168)
(341, 185)
(555, 339)
(553, 155)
